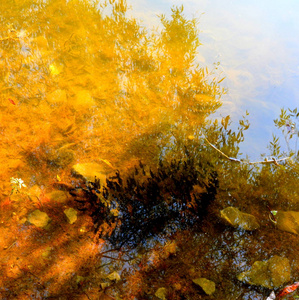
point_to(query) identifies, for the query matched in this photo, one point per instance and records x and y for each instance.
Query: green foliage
(287, 123)
(275, 147)
(279, 186)
(224, 138)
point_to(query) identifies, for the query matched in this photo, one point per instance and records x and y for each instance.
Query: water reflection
(148, 203)
(79, 86)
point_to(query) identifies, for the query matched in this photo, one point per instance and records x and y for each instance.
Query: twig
(120, 259)
(266, 161)
(86, 295)
(11, 245)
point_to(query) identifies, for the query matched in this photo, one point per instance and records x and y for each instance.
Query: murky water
(82, 84)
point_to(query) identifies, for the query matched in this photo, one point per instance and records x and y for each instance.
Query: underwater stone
(257, 275)
(46, 253)
(104, 285)
(280, 270)
(39, 218)
(88, 171)
(288, 221)
(114, 276)
(71, 215)
(207, 285)
(57, 196)
(34, 192)
(161, 293)
(269, 274)
(238, 219)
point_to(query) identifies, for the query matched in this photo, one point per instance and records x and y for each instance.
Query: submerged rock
(269, 274)
(39, 219)
(114, 276)
(288, 221)
(57, 196)
(207, 285)
(47, 252)
(161, 293)
(71, 215)
(238, 219)
(88, 172)
(280, 270)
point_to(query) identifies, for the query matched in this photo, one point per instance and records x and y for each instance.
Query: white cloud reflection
(257, 47)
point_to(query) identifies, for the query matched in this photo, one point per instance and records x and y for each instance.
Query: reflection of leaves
(225, 122)
(173, 197)
(287, 124)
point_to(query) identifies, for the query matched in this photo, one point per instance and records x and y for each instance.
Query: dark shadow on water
(147, 204)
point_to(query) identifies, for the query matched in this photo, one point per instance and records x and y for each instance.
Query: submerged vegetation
(80, 82)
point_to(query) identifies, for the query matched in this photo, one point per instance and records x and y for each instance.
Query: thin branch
(266, 161)
(120, 259)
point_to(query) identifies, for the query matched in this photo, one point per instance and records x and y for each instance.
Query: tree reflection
(144, 89)
(149, 203)
(80, 81)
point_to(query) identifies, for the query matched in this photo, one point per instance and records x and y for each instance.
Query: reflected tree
(87, 77)
(152, 204)
(143, 88)
(288, 124)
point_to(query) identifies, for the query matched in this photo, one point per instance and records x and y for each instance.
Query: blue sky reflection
(256, 43)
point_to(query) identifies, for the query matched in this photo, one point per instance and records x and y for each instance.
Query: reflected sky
(256, 43)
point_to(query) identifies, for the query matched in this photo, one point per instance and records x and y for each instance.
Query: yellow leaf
(221, 80)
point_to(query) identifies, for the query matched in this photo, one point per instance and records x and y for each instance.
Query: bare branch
(266, 161)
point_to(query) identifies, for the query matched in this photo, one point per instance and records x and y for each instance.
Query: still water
(257, 47)
(86, 89)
